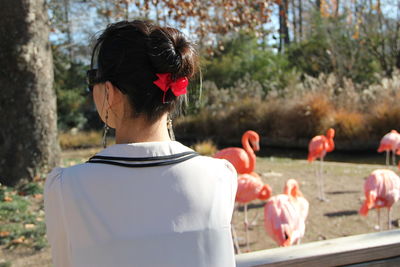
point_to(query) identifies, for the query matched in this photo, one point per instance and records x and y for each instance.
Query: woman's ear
(112, 94)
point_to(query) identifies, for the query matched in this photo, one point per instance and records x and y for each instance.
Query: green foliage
(6, 264)
(30, 188)
(13, 210)
(380, 36)
(70, 85)
(310, 56)
(334, 47)
(243, 55)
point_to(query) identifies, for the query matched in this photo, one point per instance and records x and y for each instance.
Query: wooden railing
(375, 249)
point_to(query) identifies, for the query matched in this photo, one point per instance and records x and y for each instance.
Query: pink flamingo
(390, 143)
(250, 187)
(317, 148)
(243, 159)
(382, 190)
(285, 215)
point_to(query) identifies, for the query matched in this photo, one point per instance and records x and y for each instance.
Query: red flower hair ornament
(164, 82)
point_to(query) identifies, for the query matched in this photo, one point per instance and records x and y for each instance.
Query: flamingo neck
(250, 153)
(292, 190)
(331, 145)
(265, 192)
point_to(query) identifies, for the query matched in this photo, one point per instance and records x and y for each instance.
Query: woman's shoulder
(57, 173)
(53, 181)
(54, 175)
(216, 164)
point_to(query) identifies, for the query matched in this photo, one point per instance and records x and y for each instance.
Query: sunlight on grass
(22, 216)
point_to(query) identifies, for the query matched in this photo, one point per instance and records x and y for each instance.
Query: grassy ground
(22, 229)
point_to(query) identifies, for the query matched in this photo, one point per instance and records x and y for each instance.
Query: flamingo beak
(256, 146)
(287, 238)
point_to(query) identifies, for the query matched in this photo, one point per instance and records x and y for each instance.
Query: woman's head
(130, 55)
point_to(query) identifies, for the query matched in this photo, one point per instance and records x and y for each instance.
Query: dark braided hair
(129, 54)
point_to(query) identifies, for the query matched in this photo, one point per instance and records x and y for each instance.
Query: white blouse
(173, 215)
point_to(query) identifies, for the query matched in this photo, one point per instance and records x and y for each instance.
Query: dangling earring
(170, 130)
(105, 131)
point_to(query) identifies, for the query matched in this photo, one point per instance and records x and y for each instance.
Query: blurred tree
(333, 47)
(70, 58)
(73, 101)
(243, 55)
(284, 39)
(381, 34)
(318, 4)
(28, 131)
(310, 56)
(204, 18)
(300, 11)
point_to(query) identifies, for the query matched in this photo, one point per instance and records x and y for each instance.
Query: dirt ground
(337, 217)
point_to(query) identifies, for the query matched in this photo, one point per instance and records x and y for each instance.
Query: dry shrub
(203, 124)
(224, 126)
(271, 113)
(384, 115)
(306, 117)
(350, 125)
(73, 140)
(220, 101)
(301, 110)
(206, 148)
(348, 97)
(247, 115)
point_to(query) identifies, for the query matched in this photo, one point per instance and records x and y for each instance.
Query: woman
(147, 200)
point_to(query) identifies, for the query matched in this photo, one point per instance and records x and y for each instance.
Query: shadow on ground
(341, 213)
(343, 192)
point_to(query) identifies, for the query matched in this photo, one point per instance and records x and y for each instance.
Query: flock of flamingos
(285, 214)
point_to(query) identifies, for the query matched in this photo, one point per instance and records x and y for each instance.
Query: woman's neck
(137, 130)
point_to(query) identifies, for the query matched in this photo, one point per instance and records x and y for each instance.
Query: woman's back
(173, 215)
(99, 214)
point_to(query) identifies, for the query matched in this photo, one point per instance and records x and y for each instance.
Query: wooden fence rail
(375, 249)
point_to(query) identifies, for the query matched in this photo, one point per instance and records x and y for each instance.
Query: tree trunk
(294, 18)
(300, 21)
(398, 61)
(318, 5)
(397, 35)
(283, 25)
(337, 8)
(68, 29)
(28, 129)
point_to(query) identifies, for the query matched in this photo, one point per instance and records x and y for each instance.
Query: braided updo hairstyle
(129, 54)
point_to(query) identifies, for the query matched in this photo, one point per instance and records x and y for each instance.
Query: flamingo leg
(254, 220)
(234, 235)
(394, 157)
(246, 227)
(387, 157)
(389, 219)
(378, 212)
(318, 181)
(235, 240)
(322, 180)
